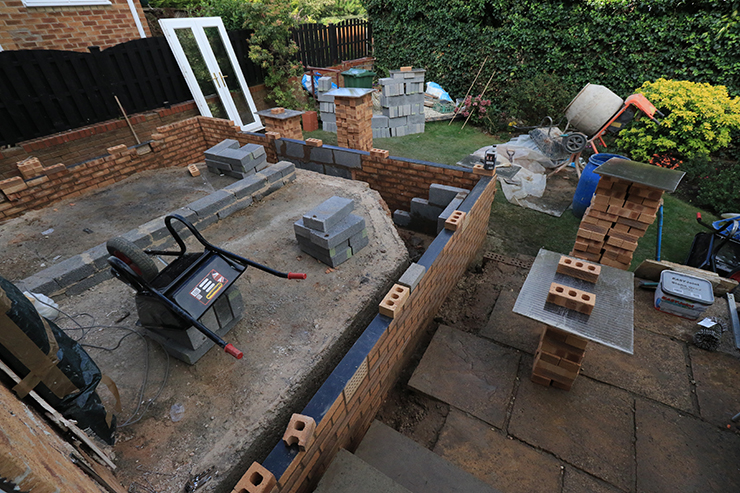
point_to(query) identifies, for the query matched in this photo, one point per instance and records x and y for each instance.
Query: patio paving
(655, 421)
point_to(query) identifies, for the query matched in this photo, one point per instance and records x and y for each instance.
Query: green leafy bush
(528, 101)
(699, 120)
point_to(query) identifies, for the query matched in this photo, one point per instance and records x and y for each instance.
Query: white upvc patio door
(208, 63)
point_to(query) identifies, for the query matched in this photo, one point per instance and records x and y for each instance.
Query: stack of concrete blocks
(402, 100)
(326, 105)
(329, 232)
(227, 158)
(443, 201)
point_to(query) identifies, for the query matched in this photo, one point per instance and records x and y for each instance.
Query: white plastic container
(683, 295)
(592, 108)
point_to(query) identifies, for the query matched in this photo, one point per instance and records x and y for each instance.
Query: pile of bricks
(402, 102)
(354, 115)
(329, 232)
(442, 202)
(227, 158)
(286, 123)
(326, 105)
(618, 217)
(558, 359)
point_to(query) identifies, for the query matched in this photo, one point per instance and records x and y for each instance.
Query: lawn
(513, 229)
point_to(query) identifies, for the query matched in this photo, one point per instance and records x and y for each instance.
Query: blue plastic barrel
(587, 184)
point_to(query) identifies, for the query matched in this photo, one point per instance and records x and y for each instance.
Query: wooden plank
(59, 420)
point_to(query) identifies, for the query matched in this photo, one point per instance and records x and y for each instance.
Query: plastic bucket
(587, 184)
(592, 108)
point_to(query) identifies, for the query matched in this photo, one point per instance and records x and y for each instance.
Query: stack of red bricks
(354, 122)
(288, 128)
(558, 359)
(618, 217)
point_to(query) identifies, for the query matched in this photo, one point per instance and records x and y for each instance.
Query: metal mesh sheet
(610, 322)
(644, 174)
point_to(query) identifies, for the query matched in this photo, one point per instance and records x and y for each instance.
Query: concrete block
(329, 117)
(416, 119)
(401, 218)
(310, 166)
(381, 133)
(415, 128)
(212, 203)
(236, 158)
(72, 270)
(359, 241)
(338, 171)
(326, 108)
(328, 214)
(380, 121)
(294, 149)
(412, 276)
(39, 283)
(394, 301)
(399, 131)
(217, 166)
(349, 226)
(139, 238)
(390, 101)
(422, 209)
(300, 431)
(323, 98)
(329, 127)
(224, 144)
(325, 84)
(442, 195)
(312, 248)
(98, 255)
(341, 255)
(397, 122)
(87, 283)
(350, 159)
(247, 186)
(272, 174)
(285, 167)
(301, 230)
(322, 155)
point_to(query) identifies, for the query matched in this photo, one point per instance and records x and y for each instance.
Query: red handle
(698, 216)
(296, 275)
(229, 348)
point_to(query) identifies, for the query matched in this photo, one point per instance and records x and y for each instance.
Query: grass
(440, 142)
(513, 229)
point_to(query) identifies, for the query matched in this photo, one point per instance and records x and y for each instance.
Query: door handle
(216, 79)
(222, 79)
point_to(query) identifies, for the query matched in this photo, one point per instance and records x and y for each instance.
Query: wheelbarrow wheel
(134, 257)
(575, 142)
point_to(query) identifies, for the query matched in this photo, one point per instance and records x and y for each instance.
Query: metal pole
(127, 120)
(469, 89)
(470, 113)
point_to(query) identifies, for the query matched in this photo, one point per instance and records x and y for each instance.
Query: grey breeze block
(327, 214)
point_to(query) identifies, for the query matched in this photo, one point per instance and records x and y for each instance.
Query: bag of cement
(523, 151)
(526, 184)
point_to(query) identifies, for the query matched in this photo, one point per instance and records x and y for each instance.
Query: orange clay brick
(379, 153)
(13, 185)
(193, 169)
(478, 169)
(571, 298)
(579, 269)
(315, 142)
(455, 221)
(393, 301)
(406, 69)
(277, 111)
(300, 431)
(257, 479)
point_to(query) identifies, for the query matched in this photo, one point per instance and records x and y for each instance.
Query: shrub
(529, 101)
(699, 119)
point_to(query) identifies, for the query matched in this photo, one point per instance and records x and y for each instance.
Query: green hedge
(617, 43)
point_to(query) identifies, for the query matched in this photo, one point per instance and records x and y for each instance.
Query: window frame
(64, 3)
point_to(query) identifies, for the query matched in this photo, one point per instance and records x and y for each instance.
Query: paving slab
(512, 329)
(350, 474)
(658, 369)
(489, 455)
(680, 453)
(468, 372)
(413, 466)
(590, 427)
(717, 377)
(577, 481)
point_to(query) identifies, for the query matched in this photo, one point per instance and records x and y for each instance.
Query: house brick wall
(348, 401)
(68, 28)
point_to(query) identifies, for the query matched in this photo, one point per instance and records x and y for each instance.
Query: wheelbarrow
(176, 298)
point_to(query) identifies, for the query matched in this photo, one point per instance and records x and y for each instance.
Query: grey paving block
(381, 133)
(334, 261)
(359, 241)
(412, 276)
(401, 218)
(247, 186)
(442, 195)
(218, 165)
(155, 228)
(301, 230)
(87, 283)
(422, 209)
(324, 84)
(347, 227)
(329, 127)
(224, 144)
(350, 159)
(379, 121)
(331, 252)
(323, 98)
(212, 203)
(322, 155)
(329, 117)
(350, 474)
(412, 466)
(451, 207)
(185, 213)
(328, 214)
(285, 167)
(230, 209)
(272, 174)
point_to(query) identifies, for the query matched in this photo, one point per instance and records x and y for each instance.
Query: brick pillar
(354, 110)
(285, 122)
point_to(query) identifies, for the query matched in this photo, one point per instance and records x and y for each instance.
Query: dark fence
(47, 91)
(324, 46)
